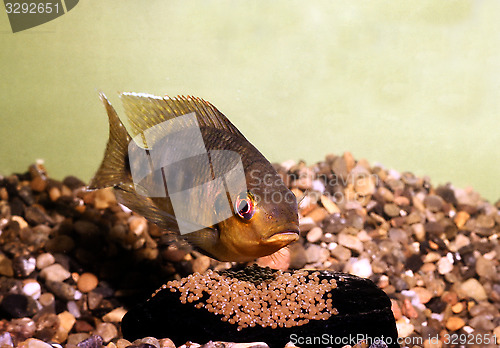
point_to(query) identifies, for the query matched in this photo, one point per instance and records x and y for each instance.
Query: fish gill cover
(170, 160)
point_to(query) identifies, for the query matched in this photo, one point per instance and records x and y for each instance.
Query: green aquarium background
(414, 86)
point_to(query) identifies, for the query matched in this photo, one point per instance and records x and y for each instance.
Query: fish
(186, 168)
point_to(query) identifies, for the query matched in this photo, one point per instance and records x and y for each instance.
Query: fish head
(265, 218)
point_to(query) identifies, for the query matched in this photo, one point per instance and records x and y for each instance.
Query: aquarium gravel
(73, 262)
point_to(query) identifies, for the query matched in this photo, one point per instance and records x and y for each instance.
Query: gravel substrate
(72, 262)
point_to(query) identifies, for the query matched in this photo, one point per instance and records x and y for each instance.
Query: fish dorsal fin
(145, 111)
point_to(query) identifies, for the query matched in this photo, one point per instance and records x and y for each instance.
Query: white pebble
(44, 260)
(444, 265)
(361, 268)
(78, 294)
(306, 224)
(73, 309)
(314, 234)
(55, 272)
(468, 329)
(32, 289)
(288, 164)
(404, 328)
(317, 185)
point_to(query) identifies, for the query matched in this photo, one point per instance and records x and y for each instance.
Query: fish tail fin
(114, 169)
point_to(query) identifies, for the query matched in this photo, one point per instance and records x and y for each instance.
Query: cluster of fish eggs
(289, 299)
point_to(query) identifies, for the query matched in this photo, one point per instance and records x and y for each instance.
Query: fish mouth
(286, 235)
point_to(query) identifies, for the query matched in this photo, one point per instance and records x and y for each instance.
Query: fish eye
(244, 205)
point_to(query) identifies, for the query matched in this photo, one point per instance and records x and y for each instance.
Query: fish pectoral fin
(146, 207)
(205, 241)
(145, 111)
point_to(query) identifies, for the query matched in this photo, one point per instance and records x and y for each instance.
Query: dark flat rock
(364, 313)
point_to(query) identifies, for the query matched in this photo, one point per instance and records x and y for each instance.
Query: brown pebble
(329, 205)
(34, 343)
(341, 253)
(22, 223)
(107, 331)
(364, 185)
(6, 266)
(54, 193)
(402, 216)
(455, 323)
(350, 242)
(423, 294)
(123, 343)
(83, 326)
(94, 299)
(472, 288)
(138, 225)
(318, 214)
(428, 267)
(166, 343)
(66, 191)
(396, 310)
(147, 341)
(4, 195)
(350, 162)
(486, 268)
(434, 203)
(173, 253)
(485, 221)
(418, 204)
(104, 198)
(391, 209)
(385, 194)
(461, 218)
(46, 326)
(75, 338)
(115, 315)
(87, 282)
(402, 201)
(433, 343)
(419, 231)
(496, 332)
(307, 205)
(46, 299)
(450, 297)
(67, 320)
(201, 264)
(38, 184)
(458, 307)
(408, 309)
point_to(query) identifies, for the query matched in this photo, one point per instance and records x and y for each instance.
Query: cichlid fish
(186, 168)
